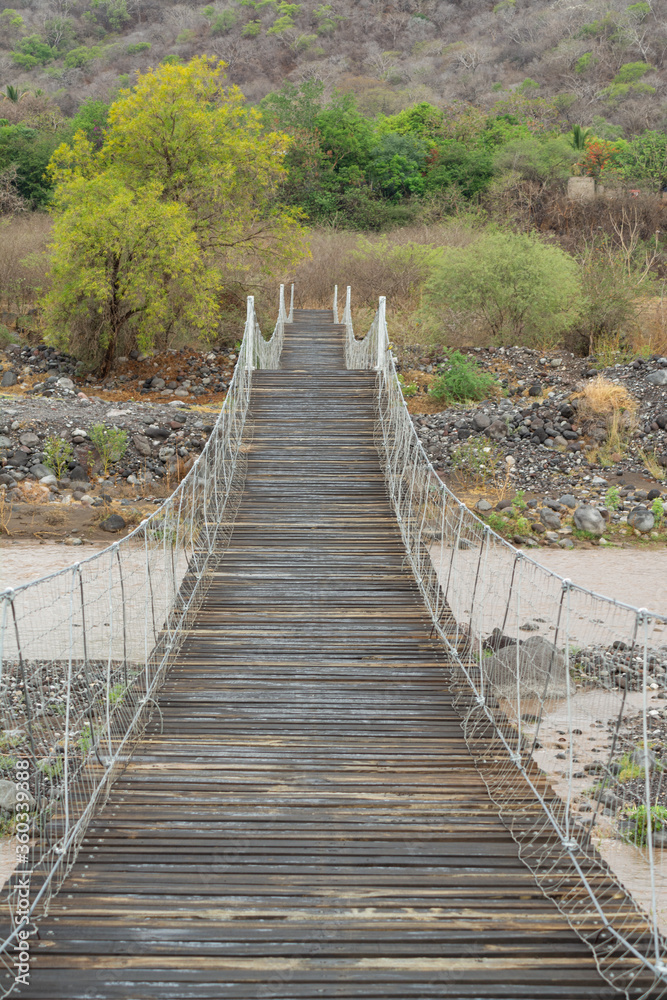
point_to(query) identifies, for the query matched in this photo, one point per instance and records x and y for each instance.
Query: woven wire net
(560, 691)
(83, 652)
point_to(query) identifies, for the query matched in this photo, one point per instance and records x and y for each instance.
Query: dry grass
(5, 513)
(603, 399)
(652, 465)
(650, 333)
(23, 262)
(33, 493)
(392, 264)
(605, 402)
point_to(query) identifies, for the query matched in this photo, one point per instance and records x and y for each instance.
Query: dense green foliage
(518, 288)
(462, 381)
(147, 227)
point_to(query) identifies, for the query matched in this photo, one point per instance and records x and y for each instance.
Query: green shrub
(612, 498)
(518, 288)
(81, 56)
(58, 455)
(409, 389)
(477, 461)
(640, 817)
(223, 23)
(462, 382)
(32, 51)
(111, 443)
(133, 50)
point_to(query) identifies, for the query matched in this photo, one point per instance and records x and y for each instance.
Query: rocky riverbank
(538, 440)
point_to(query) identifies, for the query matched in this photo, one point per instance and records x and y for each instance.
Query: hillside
(598, 62)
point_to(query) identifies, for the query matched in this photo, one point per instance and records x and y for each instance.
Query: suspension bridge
(285, 771)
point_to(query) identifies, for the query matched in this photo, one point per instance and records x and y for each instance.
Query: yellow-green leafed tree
(146, 228)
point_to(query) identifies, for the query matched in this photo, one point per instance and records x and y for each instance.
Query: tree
(517, 287)
(148, 227)
(644, 159)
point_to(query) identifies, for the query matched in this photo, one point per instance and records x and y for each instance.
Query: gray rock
(114, 522)
(78, 474)
(65, 383)
(637, 759)
(29, 439)
(550, 519)
(497, 429)
(8, 378)
(541, 670)
(589, 519)
(157, 382)
(641, 519)
(40, 471)
(6, 480)
(8, 796)
(142, 444)
(566, 543)
(5, 442)
(535, 389)
(484, 505)
(49, 480)
(658, 378)
(481, 420)
(568, 500)
(18, 459)
(598, 481)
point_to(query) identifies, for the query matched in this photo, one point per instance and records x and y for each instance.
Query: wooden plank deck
(309, 823)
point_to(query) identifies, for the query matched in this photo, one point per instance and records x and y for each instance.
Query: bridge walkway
(307, 821)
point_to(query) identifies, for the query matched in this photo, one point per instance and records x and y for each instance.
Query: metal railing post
(382, 332)
(290, 318)
(347, 315)
(335, 304)
(250, 333)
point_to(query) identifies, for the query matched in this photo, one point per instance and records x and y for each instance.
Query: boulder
(481, 421)
(114, 522)
(8, 796)
(539, 665)
(658, 378)
(8, 378)
(589, 519)
(142, 444)
(641, 519)
(550, 519)
(78, 474)
(40, 472)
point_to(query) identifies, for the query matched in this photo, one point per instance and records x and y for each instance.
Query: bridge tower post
(250, 333)
(382, 332)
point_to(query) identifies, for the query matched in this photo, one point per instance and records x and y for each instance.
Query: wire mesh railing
(84, 651)
(562, 696)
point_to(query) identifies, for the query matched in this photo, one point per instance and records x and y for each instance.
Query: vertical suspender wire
(110, 656)
(568, 695)
(68, 705)
(643, 617)
(518, 663)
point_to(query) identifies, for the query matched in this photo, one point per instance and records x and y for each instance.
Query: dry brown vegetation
(23, 262)
(390, 53)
